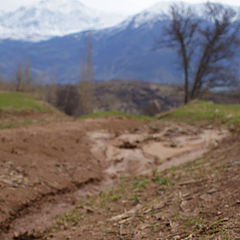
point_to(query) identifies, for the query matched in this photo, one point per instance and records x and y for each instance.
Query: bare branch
(181, 32)
(206, 44)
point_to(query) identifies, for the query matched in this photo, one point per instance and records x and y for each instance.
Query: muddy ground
(197, 200)
(47, 169)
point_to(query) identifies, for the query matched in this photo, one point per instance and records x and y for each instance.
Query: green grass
(198, 111)
(16, 102)
(16, 106)
(15, 124)
(116, 114)
(194, 112)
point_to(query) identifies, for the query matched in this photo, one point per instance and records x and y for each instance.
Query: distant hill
(131, 97)
(136, 97)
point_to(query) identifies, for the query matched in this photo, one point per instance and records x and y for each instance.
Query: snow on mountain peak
(158, 12)
(155, 13)
(61, 5)
(160, 7)
(50, 18)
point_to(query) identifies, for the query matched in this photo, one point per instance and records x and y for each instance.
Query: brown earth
(40, 164)
(47, 169)
(18, 119)
(199, 200)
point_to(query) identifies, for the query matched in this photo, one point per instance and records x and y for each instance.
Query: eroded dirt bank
(196, 200)
(45, 170)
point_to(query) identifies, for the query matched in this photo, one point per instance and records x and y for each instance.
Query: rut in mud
(46, 170)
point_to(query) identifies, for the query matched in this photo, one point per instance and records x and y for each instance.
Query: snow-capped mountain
(159, 12)
(50, 18)
(147, 17)
(122, 51)
(55, 18)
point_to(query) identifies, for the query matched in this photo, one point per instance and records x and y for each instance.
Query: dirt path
(45, 170)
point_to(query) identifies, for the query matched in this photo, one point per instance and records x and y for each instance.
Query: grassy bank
(203, 111)
(116, 114)
(17, 102)
(22, 109)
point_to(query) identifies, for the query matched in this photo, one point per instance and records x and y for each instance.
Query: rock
(177, 237)
(126, 214)
(128, 145)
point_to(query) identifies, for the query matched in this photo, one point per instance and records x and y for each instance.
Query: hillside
(198, 200)
(197, 112)
(142, 98)
(19, 109)
(126, 96)
(135, 97)
(17, 102)
(123, 178)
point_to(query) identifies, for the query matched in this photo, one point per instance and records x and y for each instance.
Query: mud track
(45, 170)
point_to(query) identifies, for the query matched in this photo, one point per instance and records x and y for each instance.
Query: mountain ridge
(57, 18)
(53, 18)
(128, 50)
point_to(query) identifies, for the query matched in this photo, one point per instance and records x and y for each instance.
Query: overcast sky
(120, 6)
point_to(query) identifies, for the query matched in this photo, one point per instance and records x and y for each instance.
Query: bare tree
(67, 99)
(86, 85)
(52, 89)
(19, 79)
(40, 86)
(28, 78)
(181, 32)
(1, 82)
(206, 44)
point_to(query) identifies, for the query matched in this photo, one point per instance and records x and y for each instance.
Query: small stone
(173, 145)
(89, 210)
(144, 226)
(16, 234)
(177, 237)
(124, 221)
(211, 191)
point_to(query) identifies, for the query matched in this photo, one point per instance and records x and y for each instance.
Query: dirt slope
(47, 169)
(41, 162)
(199, 200)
